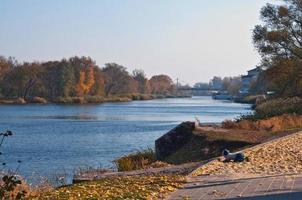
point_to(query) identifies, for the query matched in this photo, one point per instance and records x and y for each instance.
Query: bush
(135, 161)
(277, 107)
(64, 100)
(138, 96)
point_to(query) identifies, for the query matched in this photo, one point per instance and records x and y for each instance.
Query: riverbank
(277, 156)
(90, 99)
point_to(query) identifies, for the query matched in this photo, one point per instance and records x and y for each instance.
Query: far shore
(89, 99)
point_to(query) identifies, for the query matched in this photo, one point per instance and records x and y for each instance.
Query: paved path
(245, 187)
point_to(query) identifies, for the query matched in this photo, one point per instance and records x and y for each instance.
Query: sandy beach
(280, 156)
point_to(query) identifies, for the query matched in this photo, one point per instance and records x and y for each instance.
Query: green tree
(117, 79)
(21, 80)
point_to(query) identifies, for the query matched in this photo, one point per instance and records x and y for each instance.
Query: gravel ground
(280, 156)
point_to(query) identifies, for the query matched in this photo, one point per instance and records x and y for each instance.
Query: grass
(277, 107)
(91, 99)
(274, 124)
(118, 188)
(135, 161)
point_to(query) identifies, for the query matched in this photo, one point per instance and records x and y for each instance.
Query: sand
(280, 156)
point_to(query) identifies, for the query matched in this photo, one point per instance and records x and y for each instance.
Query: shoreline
(90, 100)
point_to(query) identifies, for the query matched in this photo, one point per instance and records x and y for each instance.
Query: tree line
(75, 77)
(230, 84)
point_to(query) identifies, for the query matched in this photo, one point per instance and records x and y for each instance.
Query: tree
(86, 81)
(66, 79)
(21, 80)
(281, 35)
(279, 42)
(6, 65)
(142, 81)
(99, 86)
(232, 84)
(161, 84)
(117, 79)
(50, 78)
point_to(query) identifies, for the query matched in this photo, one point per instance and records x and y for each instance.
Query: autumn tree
(86, 81)
(280, 37)
(6, 65)
(279, 42)
(161, 84)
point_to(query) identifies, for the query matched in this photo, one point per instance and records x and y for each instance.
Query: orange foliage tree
(86, 81)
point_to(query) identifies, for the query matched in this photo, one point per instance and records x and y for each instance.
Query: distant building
(216, 83)
(248, 79)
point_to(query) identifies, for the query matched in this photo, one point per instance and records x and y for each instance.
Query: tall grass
(135, 161)
(273, 124)
(276, 107)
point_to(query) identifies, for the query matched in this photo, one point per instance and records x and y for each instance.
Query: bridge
(196, 91)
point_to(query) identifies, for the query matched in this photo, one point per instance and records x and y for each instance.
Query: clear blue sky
(189, 39)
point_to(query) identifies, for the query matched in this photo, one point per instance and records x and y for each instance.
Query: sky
(192, 40)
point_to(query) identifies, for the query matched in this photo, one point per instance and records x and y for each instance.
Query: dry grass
(135, 161)
(276, 107)
(274, 124)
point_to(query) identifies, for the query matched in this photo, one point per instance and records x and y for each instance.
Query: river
(60, 138)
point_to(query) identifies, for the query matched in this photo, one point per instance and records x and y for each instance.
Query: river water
(60, 138)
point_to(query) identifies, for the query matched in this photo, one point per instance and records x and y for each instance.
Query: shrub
(64, 100)
(277, 107)
(94, 99)
(10, 183)
(138, 96)
(135, 161)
